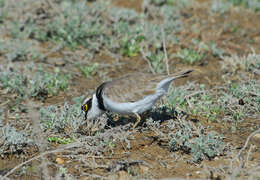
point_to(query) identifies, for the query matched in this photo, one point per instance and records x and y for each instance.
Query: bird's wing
(130, 88)
(134, 87)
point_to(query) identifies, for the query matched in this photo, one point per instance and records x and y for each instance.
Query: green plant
(90, 70)
(117, 14)
(21, 30)
(201, 147)
(79, 24)
(40, 86)
(216, 51)
(220, 7)
(14, 82)
(176, 97)
(207, 146)
(59, 119)
(190, 56)
(157, 61)
(130, 45)
(249, 63)
(60, 140)
(3, 11)
(44, 83)
(12, 140)
(18, 51)
(181, 139)
(251, 4)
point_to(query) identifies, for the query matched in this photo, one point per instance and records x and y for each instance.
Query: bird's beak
(86, 116)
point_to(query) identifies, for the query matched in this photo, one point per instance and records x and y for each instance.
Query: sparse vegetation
(201, 147)
(233, 102)
(13, 141)
(39, 86)
(252, 4)
(249, 63)
(53, 51)
(58, 120)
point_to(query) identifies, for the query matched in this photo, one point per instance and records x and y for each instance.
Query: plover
(133, 94)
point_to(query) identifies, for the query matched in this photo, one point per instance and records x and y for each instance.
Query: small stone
(60, 161)
(197, 172)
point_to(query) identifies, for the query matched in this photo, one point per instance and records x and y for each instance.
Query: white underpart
(139, 106)
(94, 111)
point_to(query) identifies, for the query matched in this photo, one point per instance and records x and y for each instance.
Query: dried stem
(165, 52)
(244, 147)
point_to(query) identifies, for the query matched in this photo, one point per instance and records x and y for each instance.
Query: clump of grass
(44, 83)
(39, 86)
(18, 50)
(90, 70)
(251, 4)
(185, 136)
(22, 31)
(13, 141)
(79, 25)
(190, 56)
(157, 61)
(14, 82)
(204, 146)
(3, 11)
(117, 14)
(55, 119)
(220, 7)
(130, 44)
(249, 63)
(218, 52)
(241, 100)
(232, 102)
(198, 53)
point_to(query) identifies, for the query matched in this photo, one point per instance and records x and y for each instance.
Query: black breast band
(99, 96)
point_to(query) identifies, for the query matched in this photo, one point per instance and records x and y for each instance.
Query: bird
(133, 94)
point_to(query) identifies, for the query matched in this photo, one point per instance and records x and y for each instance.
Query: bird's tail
(164, 84)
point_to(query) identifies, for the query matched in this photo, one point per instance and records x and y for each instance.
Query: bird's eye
(85, 107)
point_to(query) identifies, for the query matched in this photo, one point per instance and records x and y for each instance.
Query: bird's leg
(138, 119)
(116, 117)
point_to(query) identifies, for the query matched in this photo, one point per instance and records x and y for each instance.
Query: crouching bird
(133, 94)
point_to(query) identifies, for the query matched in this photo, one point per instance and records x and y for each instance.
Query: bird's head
(91, 108)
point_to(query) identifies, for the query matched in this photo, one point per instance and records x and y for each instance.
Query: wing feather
(134, 87)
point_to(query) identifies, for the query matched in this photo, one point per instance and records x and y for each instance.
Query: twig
(244, 147)
(165, 52)
(147, 60)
